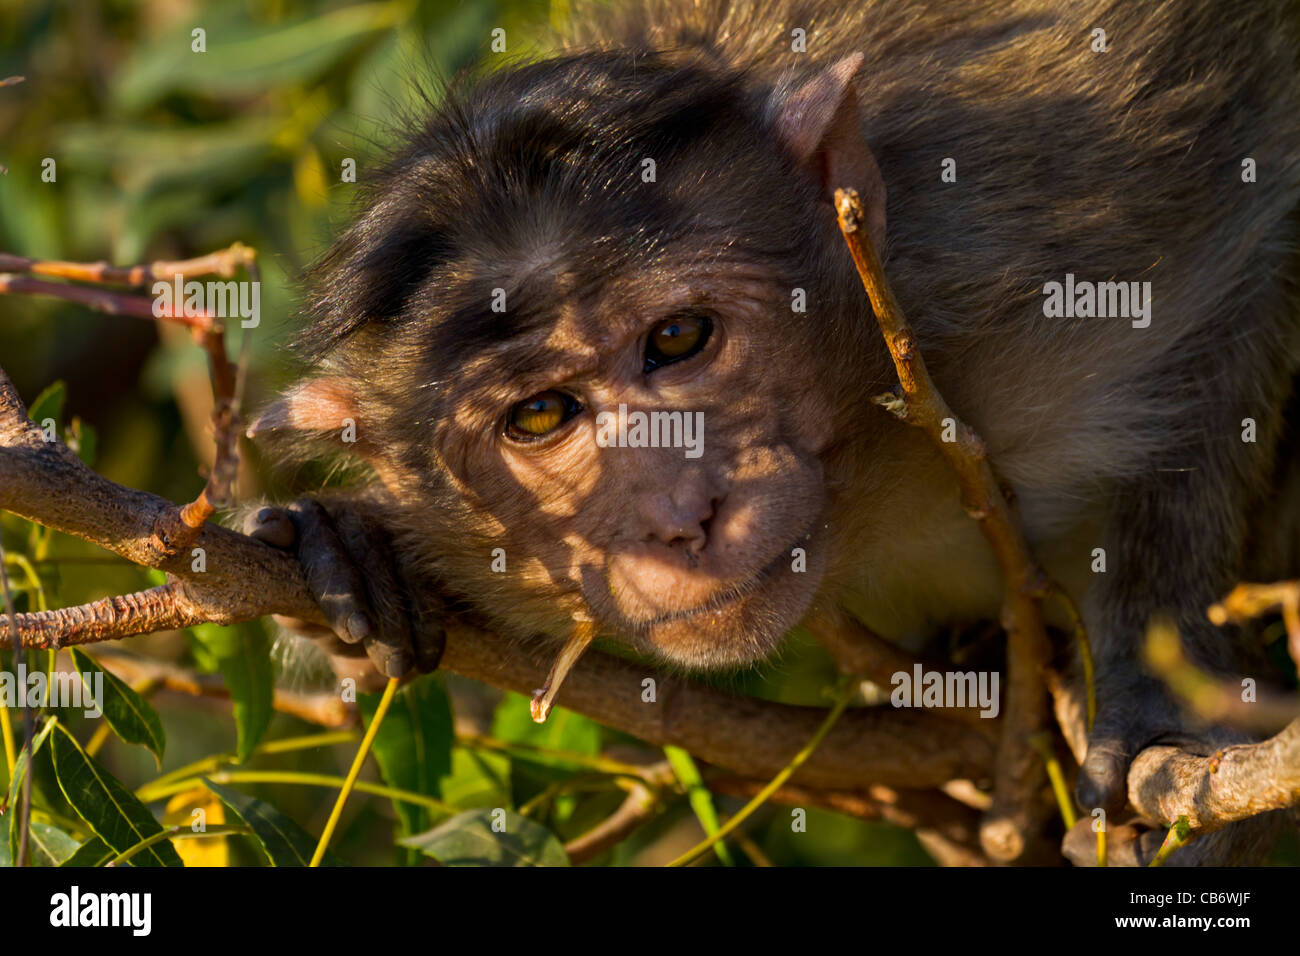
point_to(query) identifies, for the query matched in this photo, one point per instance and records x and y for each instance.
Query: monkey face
(565, 326)
(642, 465)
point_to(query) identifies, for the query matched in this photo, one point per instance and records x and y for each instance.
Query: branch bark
(1166, 783)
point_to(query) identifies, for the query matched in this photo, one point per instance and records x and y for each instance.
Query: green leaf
(49, 846)
(83, 439)
(701, 800)
(469, 839)
(21, 768)
(145, 160)
(285, 843)
(478, 779)
(129, 714)
(563, 730)
(94, 852)
(20, 765)
(110, 810)
(532, 772)
(246, 58)
(413, 746)
(243, 655)
(49, 404)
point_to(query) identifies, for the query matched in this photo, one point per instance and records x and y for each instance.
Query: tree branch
(1166, 783)
(246, 579)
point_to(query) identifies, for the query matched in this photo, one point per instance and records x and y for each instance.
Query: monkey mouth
(728, 598)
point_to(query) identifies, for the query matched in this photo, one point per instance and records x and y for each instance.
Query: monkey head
(600, 342)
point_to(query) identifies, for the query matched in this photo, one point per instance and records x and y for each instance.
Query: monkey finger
(331, 574)
(391, 656)
(429, 640)
(389, 645)
(272, 526)
(1103, 778)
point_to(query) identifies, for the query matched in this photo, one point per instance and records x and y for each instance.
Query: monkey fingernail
(398, 664)
(358, 628)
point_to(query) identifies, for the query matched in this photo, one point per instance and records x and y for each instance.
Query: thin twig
(1015, 817)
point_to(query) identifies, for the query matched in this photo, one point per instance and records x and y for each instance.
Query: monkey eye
(540, 415)
(676, 339)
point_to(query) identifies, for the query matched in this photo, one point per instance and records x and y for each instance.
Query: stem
(181, 831)
(214, 762)
(847, 689)
(1179, 835)
(1085, 646)
(293, 777)
(7, 732)
(1042, 742)
(351, 780)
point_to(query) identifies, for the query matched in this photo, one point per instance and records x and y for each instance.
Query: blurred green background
(164, 153)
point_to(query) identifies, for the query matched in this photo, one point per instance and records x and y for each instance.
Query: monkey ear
(819, 127)
(324, 404)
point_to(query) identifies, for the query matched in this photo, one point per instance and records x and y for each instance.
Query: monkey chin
(738, 628)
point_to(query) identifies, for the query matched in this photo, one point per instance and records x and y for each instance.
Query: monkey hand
(372, 634)
(1134, 712)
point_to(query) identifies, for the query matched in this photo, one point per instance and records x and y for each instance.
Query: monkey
(640, 226)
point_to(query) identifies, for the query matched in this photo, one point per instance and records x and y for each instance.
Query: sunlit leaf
(478, 779)
(198, 806)
(20, 765)
(48, 845)
(698, 795)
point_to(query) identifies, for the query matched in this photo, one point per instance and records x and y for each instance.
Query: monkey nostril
(680, 521)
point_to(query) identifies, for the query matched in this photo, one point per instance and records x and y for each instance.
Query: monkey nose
(678, 523)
